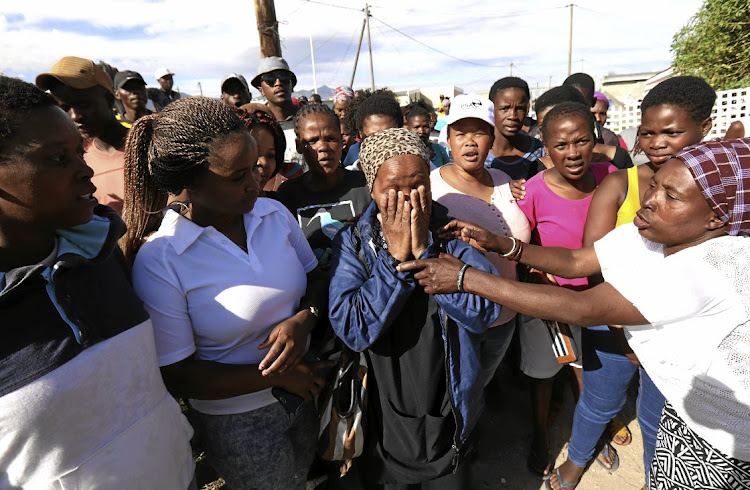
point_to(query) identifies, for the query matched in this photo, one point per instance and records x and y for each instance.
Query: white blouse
(697, 345)
(208, 297)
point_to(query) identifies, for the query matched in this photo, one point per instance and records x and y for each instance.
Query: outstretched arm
(599, 305)
(562, 262)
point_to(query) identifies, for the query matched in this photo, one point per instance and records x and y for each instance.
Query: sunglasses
(270, 78)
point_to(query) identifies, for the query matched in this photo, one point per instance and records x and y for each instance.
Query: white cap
(471, 105)
(162, 72)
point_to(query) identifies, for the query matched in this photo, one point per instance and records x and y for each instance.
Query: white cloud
(202, 41)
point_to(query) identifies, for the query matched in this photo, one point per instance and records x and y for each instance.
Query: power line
(343, 58)
(435, 49)
(316, 47)
(336, 6)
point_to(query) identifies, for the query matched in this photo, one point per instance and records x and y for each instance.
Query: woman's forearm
(601, 305)
(558, 261)
(210, 380)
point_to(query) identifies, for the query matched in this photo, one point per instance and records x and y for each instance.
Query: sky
(471, 43)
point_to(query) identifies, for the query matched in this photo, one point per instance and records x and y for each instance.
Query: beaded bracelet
(461, 273)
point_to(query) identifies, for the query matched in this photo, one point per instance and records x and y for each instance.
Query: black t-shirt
(321, 214)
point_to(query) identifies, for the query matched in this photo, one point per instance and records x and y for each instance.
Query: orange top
(108, 176)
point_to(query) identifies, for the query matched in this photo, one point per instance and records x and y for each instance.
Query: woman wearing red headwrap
(678, 280)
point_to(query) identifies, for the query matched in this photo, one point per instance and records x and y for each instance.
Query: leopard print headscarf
(386, 144)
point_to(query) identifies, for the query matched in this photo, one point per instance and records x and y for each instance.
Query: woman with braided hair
(271, 141)
(230, 284)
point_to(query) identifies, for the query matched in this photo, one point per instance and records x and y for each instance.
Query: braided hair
(306, 111)
(166, 153)
(259, 118)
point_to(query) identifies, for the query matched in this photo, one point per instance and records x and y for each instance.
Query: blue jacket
(363, 307)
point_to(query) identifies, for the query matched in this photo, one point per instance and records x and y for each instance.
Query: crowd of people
(157, 247)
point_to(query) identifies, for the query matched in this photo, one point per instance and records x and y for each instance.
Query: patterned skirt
(683, 460)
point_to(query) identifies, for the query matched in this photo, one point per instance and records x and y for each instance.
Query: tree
(715, 44)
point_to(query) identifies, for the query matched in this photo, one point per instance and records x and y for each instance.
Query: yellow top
(632, 202)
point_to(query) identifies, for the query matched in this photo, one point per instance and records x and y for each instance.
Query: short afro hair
(693, 94)
(17, 98)
(350, 118)
(580, 80)
(557, 95)
(510, 82)
(379, 105)
(567, 109)
(419, 108)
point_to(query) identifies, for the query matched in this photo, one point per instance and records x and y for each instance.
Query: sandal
(619, 432)
(570, 485)
(539, 466)
(603, 457)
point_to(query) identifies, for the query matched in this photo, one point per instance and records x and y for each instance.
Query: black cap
(125, 76)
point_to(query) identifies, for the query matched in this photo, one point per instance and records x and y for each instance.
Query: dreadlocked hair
(565, 110)
(306, 111)
(262, 119)
(166, 153)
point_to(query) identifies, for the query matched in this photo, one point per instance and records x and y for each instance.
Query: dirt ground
(505, 429)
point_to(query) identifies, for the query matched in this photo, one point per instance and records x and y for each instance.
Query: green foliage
(715, 44)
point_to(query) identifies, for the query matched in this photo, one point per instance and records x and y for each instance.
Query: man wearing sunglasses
(276, 81)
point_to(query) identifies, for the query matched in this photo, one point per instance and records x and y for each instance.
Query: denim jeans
(262, 449)
(606, 376)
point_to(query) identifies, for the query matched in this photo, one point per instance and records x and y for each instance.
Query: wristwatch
(315, 311)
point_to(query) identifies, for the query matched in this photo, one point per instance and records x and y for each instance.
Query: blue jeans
(606, 376)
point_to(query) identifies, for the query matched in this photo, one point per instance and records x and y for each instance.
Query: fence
(730, 106)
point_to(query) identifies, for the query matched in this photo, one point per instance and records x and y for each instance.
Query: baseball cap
(125, 76)
(77, 73)
(269, 64)
(238, 77)
(471, 105)
(162, 72)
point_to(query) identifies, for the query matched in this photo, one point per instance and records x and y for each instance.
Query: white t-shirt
(501, 216)
(697, 345)
(208, 297)
(102, 420)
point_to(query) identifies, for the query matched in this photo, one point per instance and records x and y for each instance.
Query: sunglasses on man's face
(270, 78)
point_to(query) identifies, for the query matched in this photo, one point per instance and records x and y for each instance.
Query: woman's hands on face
(421, 208)
(437, 276)
(288, 341)
(396, 223)
(476, 236)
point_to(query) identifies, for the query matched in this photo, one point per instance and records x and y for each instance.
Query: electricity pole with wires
(365, 25)
(268, 28)
(570, 39)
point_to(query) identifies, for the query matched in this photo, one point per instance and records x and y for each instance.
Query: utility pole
(511, 68)
(549, 84)
(200, 88)
(312, 56)
(581, 60)
(570, 39)
(369, 46)
(356, 55)
(268, 28)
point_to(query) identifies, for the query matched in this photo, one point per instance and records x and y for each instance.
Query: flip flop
(605, 453)
(571, 485)
(618, 430)
(539, 466)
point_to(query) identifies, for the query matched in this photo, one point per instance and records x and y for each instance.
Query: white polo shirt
(696, 348)
(208, 297)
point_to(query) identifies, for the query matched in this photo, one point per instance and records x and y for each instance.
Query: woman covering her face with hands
(677, 279)
(416, 385)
